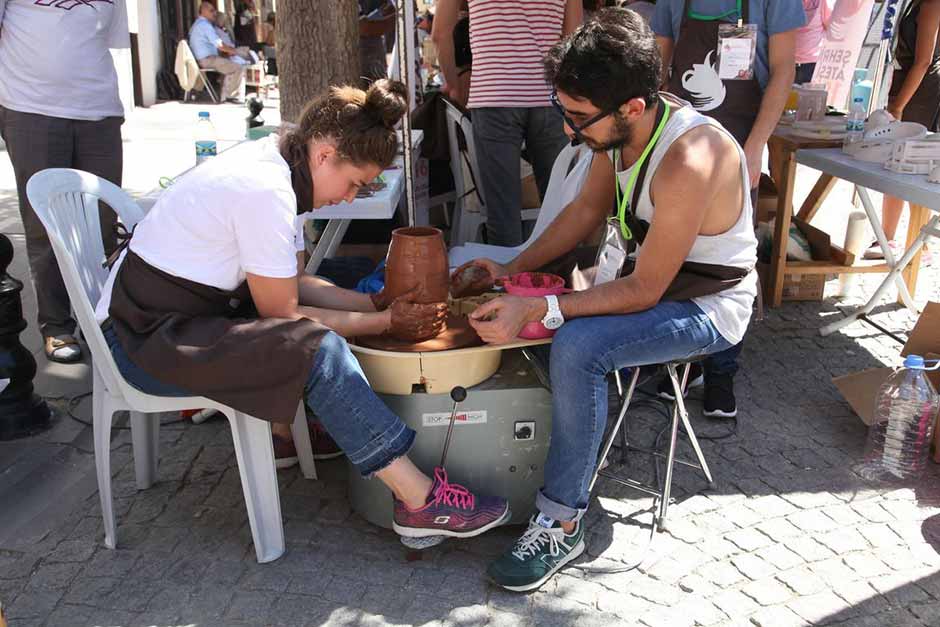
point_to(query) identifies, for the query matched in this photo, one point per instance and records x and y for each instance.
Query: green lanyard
(623, 201)
(711, 18)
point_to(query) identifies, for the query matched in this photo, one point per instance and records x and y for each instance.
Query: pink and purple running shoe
(451, 510)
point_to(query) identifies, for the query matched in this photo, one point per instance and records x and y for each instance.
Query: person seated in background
(211, 53)
(243, 54)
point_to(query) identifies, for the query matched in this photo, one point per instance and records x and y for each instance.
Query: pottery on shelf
(417, 257)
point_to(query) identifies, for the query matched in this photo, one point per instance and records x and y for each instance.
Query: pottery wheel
(457, 334)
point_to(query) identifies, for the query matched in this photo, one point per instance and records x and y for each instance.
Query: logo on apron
(706, 90)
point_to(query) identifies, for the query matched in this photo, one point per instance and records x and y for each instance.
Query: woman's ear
(321, 153)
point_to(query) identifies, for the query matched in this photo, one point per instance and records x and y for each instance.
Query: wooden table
(782, 147)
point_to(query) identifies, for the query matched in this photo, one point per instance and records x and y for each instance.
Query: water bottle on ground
(900, 433)
(205, 138)
(855, 123)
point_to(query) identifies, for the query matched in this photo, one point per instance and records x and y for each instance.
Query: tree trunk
(317, 46)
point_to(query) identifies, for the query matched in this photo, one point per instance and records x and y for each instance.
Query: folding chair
(679, 413)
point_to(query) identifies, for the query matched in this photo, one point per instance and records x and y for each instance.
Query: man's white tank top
(729, 310)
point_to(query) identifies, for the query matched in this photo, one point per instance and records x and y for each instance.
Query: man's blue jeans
(337, 391)
(583, 352)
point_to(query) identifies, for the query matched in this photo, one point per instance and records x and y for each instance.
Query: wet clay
(417, 257)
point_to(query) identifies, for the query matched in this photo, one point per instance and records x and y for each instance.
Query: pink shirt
(509, 38)
(809, 38)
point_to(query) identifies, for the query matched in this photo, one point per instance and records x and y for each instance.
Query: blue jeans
(723, 362)
(583, 352)
(337, 391)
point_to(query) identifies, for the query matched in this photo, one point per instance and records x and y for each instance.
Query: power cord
(72, 403)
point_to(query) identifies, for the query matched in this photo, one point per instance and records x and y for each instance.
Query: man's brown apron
(696, 47)
(209, 341)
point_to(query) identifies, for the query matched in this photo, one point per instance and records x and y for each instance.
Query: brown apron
(203, 340)
(696, 48)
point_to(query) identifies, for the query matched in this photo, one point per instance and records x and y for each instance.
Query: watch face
(553, 323)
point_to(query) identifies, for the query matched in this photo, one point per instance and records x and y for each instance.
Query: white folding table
(924, 199)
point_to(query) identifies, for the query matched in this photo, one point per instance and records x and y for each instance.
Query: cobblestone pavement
(790, 535)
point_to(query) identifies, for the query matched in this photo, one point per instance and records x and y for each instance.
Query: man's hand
(414, 322)
(895, 110)
(500, 320)
(755, 161)
(475, 277)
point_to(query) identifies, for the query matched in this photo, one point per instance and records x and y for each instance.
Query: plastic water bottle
(855, 123)
(205, 138)
(900, 432)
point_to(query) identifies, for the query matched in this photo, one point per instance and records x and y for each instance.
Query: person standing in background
(60, 108)
(246, 33)
(510, 102)
(376, 20)
(644, 8)
(915, 89)
(809, 38)
(688, 33)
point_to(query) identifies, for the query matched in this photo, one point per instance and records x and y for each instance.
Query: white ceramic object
(878, 144)
(897, 131)
(879, 118)
(934, 176)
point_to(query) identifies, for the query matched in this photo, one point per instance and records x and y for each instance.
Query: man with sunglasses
(680, 184)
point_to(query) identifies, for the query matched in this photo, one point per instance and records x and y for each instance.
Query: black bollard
(254, 119)
(22, 412)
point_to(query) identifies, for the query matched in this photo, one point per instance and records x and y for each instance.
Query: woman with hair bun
(209, 298)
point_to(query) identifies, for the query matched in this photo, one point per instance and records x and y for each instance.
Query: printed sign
(442, 419)
(841, 45)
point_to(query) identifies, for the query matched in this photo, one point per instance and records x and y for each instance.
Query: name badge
(612, 254)
(737, 51)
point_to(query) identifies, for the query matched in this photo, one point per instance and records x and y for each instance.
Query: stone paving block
(551, 610)
(879, 535)
(767, 592)
(834, 570)
(670, 570)
(719, 548)
(802, 581)
(624, 604)
(809, 549)
(810, 500)
(65, 615)
(780, 557)
(576, 589)
(741, 515)
(250, 606)
(722, 574)
(771, 506)
(929, 613)
(263, 577)
(748, 539)
(506, 619)
(83, 590)
(32, 604)
(812, 521)
(752, 566)
(899, 590)
(659, 616)
(345, 590)
(715, 524)
(656, 591)
(111, 563)
(872, 511)
(843, 541)
(779, 616)
(866, 565)
(817, 607)
(735, 603)
(71, 551)
(53, 576)
(698, 585)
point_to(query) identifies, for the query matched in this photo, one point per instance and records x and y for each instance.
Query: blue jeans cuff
(383, 450)
(556, 510)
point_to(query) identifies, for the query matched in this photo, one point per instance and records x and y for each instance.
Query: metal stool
(678, 413)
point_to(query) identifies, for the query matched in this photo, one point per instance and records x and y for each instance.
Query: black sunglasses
(578, 137)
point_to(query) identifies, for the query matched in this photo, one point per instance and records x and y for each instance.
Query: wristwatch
(553, 318)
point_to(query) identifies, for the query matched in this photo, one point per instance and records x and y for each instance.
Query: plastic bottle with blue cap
(902, 427)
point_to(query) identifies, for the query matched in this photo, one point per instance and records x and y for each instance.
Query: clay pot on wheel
(417, 257)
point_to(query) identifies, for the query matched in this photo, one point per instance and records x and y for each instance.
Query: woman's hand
(475, 277)
(415, 322)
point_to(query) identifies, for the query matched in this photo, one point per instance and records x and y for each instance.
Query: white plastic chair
(569, 172)
(66, 202)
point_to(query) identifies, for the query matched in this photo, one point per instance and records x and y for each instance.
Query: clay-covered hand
(415, 322)
(475, 277)
(382, 300)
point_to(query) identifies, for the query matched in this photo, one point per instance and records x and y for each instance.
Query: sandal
(63, 349)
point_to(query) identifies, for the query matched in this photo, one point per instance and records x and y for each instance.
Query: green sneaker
(541, 552)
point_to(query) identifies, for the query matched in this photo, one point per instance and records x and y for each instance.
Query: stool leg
(684, 415)
(673, 438)
(617, 425)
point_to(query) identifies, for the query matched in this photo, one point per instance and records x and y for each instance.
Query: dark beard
(621, 135)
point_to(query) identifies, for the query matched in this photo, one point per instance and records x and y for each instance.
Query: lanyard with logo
(737, 43)
(613, 251)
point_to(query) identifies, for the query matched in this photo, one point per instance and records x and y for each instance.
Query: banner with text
(842, 42)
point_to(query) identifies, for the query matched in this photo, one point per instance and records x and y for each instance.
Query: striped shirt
(509, 39)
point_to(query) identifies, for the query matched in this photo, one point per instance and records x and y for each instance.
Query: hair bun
(386, 102)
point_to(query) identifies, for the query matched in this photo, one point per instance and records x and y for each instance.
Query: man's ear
(632, 109)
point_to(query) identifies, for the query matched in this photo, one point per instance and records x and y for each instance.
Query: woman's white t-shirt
(234, 214)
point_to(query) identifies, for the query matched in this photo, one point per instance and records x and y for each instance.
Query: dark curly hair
(609, 59)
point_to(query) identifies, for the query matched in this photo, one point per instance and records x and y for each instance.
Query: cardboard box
(861, 388)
